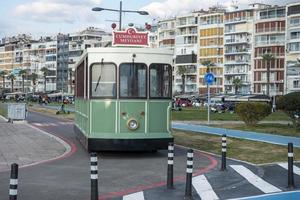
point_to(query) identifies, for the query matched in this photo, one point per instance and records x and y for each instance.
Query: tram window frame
(91, 84)
(146, 82)
(170, 81)
(79, 91)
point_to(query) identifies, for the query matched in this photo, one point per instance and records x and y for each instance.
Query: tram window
(133, 80)
(80, 81)
(160, 81)
(103, 80)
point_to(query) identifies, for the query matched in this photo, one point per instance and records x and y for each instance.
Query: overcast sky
(48, 17)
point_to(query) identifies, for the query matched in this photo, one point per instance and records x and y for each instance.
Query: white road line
(295, 168)
(52, 124)
(134, 196)
(37, 124)
(203, 188)
(255, 180)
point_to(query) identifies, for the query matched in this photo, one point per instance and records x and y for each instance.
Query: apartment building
(238, 38)
(166, 33)
(88, 38)
(292, 81)
(211, 31)
(186, 49)
(269, 39)
(62, 73)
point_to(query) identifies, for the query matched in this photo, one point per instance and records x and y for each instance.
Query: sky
(49, 17)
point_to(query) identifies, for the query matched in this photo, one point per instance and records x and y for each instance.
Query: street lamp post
(120, 12)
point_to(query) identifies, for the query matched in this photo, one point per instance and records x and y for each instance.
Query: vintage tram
(123, 99)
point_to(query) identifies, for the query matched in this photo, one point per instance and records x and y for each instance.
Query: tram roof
(129, 50)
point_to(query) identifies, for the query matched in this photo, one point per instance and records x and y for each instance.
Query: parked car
(184, 102)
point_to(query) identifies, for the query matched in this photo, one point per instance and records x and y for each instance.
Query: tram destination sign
(131, 37)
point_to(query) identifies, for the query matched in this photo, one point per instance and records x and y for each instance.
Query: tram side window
(133, 80)
(80, 80)
(103, 80)
(160, 81)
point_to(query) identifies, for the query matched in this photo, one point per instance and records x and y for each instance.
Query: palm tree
(208, 64)
(70, 78)
(268, 58)
(3, 73)
(33, 78)
(23, 73)
(181, 71)
(45, 74)
(12, 77)
(237, 84)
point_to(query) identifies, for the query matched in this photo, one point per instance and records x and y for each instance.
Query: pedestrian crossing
(205, 190)
(48, 124)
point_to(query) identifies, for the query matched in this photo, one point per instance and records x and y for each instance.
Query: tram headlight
(132, 124)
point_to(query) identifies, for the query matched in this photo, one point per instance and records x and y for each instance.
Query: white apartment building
(186, 50)
(292, 72)
(238, 38)
(166, 33)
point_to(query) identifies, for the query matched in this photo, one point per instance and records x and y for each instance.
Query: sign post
(209, 78)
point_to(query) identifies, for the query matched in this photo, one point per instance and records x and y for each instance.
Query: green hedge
(252, 112)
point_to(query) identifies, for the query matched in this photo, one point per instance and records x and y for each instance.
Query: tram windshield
(160, 81)
(133, 80)
(103, 80)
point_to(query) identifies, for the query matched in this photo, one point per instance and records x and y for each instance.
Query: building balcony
(233, 72)
(276, 30)
(259, 56)
(236, 62)
(236, 41)
(269, 43)
(237, 20)
(237, 52)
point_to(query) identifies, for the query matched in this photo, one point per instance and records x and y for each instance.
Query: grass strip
(195, 114)
(246, 150)
(52, 113)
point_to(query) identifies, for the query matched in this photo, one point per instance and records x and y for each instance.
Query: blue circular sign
(209, 78)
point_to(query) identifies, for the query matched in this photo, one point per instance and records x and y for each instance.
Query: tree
(45, 74)
(252, 112)
(290, 104)
(237, 84)
(23, 73)
(12, 77)
(268, 58)
(70, 78)
(3, 73)
(181, 71)
(33, 78)
(208, 64)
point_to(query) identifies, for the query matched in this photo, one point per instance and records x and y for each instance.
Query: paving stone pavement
(23, 144)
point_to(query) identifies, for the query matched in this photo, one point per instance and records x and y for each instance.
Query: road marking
(295, 168)
(37, 124)
(203, 188)
(134, 196)
(254, 179)
(52, 124)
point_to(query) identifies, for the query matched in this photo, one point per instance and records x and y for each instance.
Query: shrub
(290, 104)
(251, 112)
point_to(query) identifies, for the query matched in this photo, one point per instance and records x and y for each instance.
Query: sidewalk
(24, 145)
(255, 136)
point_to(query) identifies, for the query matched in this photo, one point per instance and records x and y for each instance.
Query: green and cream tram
(123, 99)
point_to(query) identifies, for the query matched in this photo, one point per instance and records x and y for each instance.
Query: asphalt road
(119, 173)
(144, 173)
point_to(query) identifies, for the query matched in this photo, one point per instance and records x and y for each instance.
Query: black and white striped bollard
(13, 183)
(189, 174)
(170, 184)
(290, 166)
(94, 176)
(224, 149)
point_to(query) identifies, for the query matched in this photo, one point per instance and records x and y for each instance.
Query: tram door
(132, 97)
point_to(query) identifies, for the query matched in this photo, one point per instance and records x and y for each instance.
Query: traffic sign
(209, 78)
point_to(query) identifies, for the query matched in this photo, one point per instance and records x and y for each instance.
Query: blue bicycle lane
(248, 135)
